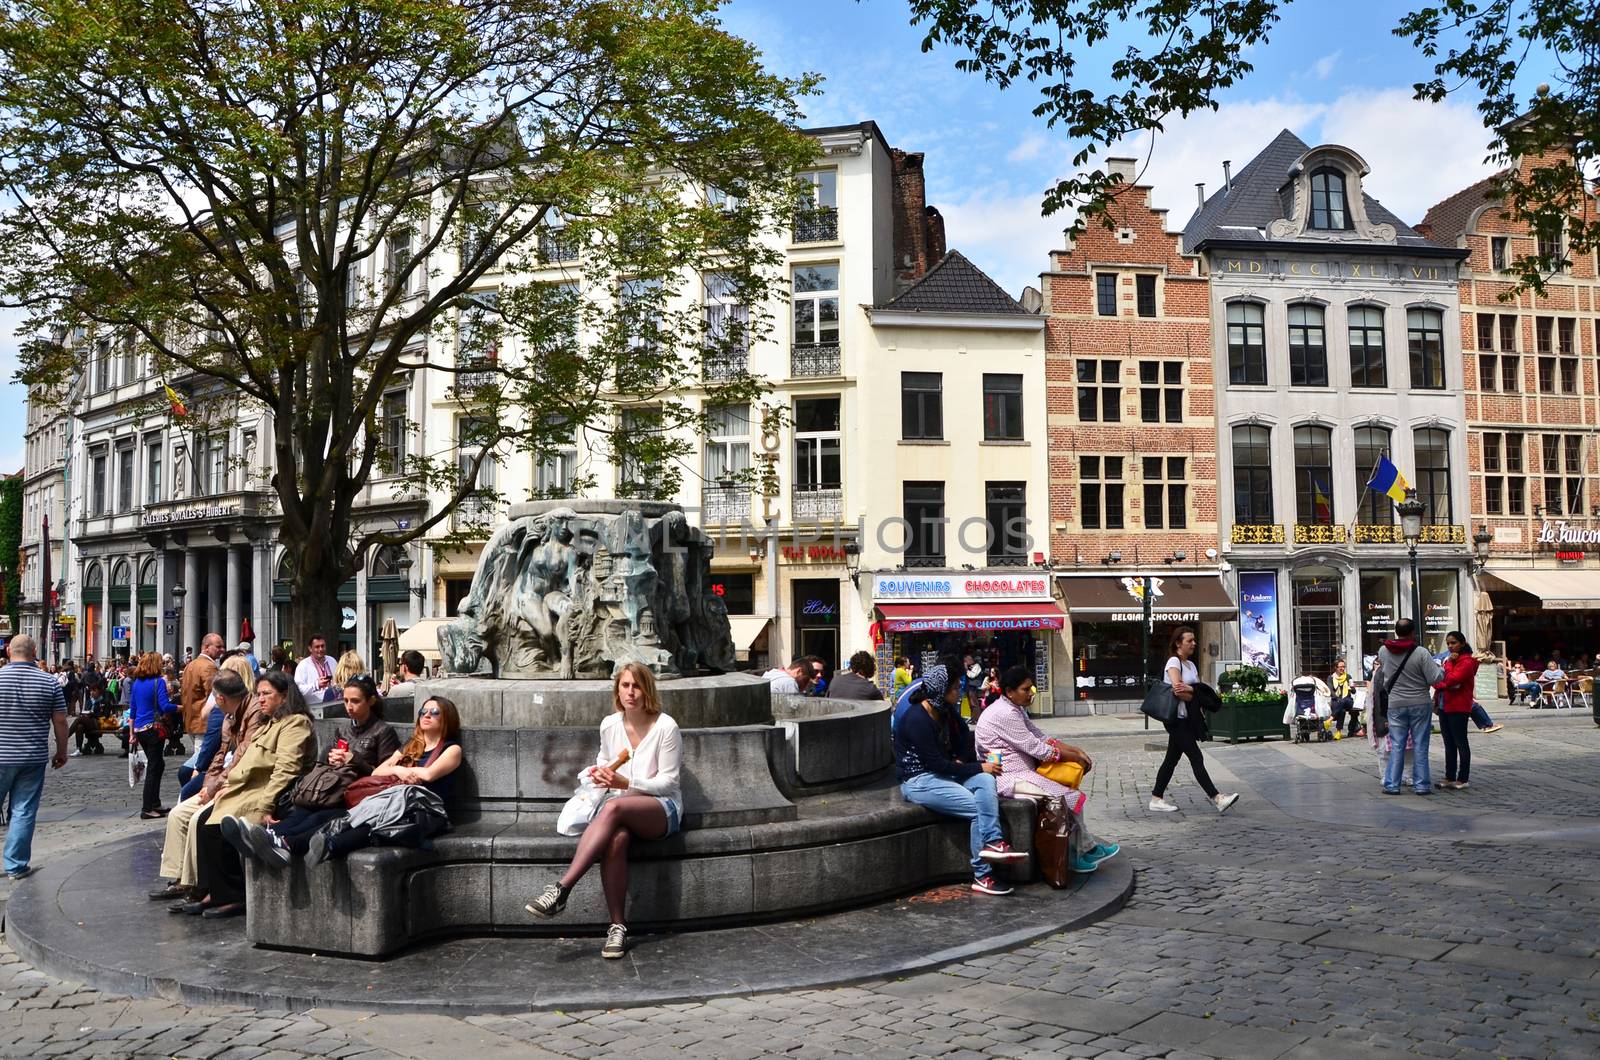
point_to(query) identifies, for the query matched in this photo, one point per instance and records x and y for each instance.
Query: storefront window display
(1440, 607)
(1319, 623)
(1380, 604)
(1106, 662)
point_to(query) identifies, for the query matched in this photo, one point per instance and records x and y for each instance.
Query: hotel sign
(1567, 537)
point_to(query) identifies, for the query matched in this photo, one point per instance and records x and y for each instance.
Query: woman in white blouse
(648, 803)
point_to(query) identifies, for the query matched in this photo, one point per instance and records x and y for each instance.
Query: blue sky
(1332, 73)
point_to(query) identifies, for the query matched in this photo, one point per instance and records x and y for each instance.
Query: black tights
(1181, 742)
(155, 765)
(606, 841)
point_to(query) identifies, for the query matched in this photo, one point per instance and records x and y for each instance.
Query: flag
(178, 408)
(1321, 503)
(1386, 479)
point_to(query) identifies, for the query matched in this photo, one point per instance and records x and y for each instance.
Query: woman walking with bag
(1460, 680)
(649, 804)
(148, 702)
(1185, 731)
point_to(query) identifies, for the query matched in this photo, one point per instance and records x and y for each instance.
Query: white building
(46, 441)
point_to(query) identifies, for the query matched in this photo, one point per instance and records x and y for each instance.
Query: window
(153, 464)
(472, 435)
(816, 216)
(924, 511)
(1247, 350)
(555, 244)
(1145, 289)
(726, 202)
(97, 483)
(1328, 212)
(214, 467)
(1503, 370)
(557, 474)
(1485, 331)
(1308, 348)
(1567, 347)
(1368, 366)
(1499, 253)
(1550, 248)
(1100, 489)
(1432, 448)
(816, 305)
(1161, 391)
(1562, 465)
(1252, 475)
(1100, 404)
(1002, 407)
(125, 479)
(640, 304)
(727, 444)
(1544, 334)
(1313, 475)
(1374, 508)
(1105, 294)
(817, 447)
(478, 328)
(102, 366)
(396, 424)
(1166, 505)
(639, 474)
(1508, 333)
(1006, 509)
(478, 219)
(128, 372)
(399, 248)
(727, 323)
(921, 406)
(1425, 337)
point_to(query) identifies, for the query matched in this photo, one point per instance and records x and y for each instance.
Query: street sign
(169, 613)
(119, 636)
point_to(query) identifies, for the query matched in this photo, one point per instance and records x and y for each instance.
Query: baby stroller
(1312, 715)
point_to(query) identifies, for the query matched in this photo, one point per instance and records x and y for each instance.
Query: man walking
(194, 687)
(1408, 673)
(31, 704)
(314, 675)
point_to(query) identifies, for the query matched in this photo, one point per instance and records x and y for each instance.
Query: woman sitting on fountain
(648, 805)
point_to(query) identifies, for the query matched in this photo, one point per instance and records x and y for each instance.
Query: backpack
(1380, 692)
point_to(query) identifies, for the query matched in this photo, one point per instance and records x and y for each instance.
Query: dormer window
(1328, 211)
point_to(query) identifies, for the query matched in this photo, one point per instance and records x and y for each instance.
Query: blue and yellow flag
(1386, 479)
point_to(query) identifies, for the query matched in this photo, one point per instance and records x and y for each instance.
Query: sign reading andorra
(1564, 535)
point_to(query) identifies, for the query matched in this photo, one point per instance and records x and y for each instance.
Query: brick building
(1133, 442)
(1533, 406)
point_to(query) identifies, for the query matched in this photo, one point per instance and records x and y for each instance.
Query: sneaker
(1496, 727)
(1160, 805)
(74, 753)
(551, 902)
(1225, 801)
(1459, 785)
(1000, 850)
(616, 941)
(233, 832)
(317, 852)
(989, 885)
(19, 874)
(1103, 852)
(1083, 865)
(267, 846)
(1391, 791)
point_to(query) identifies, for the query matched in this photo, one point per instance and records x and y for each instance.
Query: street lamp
(852, 561)
(1411, 511)
(1480, 547)
(404, 565)
(178, 593)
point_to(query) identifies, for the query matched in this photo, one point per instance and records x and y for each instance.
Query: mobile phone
(343, 744)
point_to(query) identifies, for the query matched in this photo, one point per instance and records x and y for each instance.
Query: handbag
(323, 788)
(1068, 773)
(580, 810)
(1055, 832)
(137, 763)
(1160, 703)
(365, 786)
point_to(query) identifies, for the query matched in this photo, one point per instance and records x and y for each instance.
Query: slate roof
(956, 285)
(1242, 214)
(1446, 221)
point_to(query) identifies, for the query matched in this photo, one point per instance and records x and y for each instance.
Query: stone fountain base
(529, 703)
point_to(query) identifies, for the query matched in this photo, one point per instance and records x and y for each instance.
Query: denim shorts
(672, 815)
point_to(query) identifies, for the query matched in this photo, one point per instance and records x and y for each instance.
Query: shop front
(1108, 633)
(1550, 607)
(1001, 617)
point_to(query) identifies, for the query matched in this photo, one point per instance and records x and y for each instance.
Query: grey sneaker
(616, 942)
(266, 846)
(551, 902)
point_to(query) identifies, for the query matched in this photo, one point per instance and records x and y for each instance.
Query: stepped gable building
(1133, 445)
(1532, 406)
(1336, 339)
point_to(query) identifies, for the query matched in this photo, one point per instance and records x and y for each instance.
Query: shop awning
(1559, 590)
(1177, 598)
(962, 617)
(746, 629)
(423, 636)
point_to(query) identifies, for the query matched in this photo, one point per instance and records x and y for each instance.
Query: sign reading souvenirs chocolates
(1568, 537)
(940, 585)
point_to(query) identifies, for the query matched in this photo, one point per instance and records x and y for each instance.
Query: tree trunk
(314, 608)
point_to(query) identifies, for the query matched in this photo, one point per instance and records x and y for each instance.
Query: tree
(290, 203)
(11, 545)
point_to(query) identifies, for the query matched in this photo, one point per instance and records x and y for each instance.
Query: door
(1319, 624)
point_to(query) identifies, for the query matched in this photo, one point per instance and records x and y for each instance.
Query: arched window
(147, 572)
(285, 568)
(1373, 508)
(1425, 337)
(1368, 366)
(1308, 346)
(1313, 475)
(94, 577)
(1247, 344)
(1432, 448)
(1252, 475)
(120, 574)
(1328, 211)
(386, 562)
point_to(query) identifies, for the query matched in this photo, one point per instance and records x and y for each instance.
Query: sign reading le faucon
(1564, 534)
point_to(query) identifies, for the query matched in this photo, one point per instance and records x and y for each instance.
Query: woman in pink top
(1005, 727)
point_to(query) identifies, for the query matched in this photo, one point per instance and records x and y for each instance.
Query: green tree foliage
(292, 203)
(11, 542)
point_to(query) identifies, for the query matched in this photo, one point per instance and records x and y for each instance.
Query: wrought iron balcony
(556, 246)
(1256, 534)
(814, 358)
(725, 367)
(817, 225)
(474, 512)
(1379, 534)
(1319, 534)
(479, 372)
(721, 505)
(814, 505)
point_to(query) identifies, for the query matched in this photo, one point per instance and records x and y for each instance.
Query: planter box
(1249, 721)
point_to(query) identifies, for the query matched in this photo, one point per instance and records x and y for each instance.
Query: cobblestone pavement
(1258, 934)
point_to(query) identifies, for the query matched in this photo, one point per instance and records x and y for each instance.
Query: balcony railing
(814, 358)
(556, 247)
(1443, 534)
(725, 367)
(721, 505)
(1256, 534)
(1319, 534)
(219, 507)
(474, 511)
(813, 505)
(1378, 534)
(922, 561)
(479, 373)
(818, 225)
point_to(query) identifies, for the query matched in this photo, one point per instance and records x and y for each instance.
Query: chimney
(1126, 169)
(1200, 193)
(918, 227)
(1227, 175)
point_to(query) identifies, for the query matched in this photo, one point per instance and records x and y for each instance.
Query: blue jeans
(24, 784)
(973, 798)
(1480, 717)
(1417, 721)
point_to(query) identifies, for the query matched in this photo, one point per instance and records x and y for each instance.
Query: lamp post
(1411, 510)
(1480, 548)
(178, 593)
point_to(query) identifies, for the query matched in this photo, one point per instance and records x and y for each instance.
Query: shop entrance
(816, 620)
(1319, 624)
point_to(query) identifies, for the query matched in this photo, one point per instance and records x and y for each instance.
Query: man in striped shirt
(31, 704)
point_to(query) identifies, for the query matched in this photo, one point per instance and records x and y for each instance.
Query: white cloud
(1031, 147)
(1004, 235)
(12, 395)
(1324, 66)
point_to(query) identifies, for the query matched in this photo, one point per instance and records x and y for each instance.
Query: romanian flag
(1386, 479)
(179, 409)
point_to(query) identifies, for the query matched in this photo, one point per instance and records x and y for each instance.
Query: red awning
(962, 617)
